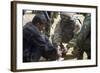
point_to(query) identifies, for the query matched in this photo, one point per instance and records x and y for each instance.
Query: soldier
(82, 40)
(64, 30)
(35, 44)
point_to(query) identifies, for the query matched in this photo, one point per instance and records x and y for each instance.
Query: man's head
(39, 21)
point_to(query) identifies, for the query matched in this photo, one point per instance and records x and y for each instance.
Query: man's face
(41, 27)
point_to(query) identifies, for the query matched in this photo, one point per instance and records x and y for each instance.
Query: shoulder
(29, 26)
(30, 29)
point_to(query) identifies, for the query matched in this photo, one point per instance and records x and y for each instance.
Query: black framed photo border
(17, 9)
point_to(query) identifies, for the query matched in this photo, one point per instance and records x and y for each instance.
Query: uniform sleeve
(85, 30)
(82, 35)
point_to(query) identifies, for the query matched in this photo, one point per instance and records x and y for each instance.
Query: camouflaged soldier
(82, 40)
(64, 30)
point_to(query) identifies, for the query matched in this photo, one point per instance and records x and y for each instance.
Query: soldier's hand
(71, 44)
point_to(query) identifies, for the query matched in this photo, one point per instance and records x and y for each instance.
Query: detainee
(35, 43)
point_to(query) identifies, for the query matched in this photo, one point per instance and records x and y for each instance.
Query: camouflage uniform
(82, 40)
(65, 29)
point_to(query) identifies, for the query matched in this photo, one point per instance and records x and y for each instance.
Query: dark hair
(39, 18)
